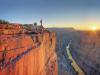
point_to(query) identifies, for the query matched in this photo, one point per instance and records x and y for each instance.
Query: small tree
(35, 23)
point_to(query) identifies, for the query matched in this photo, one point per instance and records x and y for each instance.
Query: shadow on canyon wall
(85, 49)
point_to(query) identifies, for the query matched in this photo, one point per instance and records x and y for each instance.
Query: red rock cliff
(28, 54)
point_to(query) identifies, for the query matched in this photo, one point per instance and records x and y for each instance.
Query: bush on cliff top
(3, 21)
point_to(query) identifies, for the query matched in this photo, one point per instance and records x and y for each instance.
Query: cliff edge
(27, 53)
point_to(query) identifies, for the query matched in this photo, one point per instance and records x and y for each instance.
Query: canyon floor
(84, 49)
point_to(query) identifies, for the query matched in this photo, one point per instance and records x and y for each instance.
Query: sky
(79, 14)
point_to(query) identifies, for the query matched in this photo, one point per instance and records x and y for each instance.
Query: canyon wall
(86, 51)
(28, 54)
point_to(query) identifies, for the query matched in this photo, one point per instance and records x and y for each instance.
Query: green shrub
(3, 21)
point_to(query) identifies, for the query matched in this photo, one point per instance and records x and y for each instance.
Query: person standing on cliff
(41, 22)
(41, 25)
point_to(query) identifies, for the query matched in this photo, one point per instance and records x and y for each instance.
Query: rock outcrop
(28, 54)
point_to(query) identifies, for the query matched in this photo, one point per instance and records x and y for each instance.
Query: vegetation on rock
(3, 21)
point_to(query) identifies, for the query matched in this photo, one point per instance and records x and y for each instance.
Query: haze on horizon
(79, 14)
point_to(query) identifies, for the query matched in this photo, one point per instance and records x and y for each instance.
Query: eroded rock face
(11, 29)
(86, 51)
(28, 54)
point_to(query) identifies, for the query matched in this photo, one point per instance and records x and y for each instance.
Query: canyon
(84, 48)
